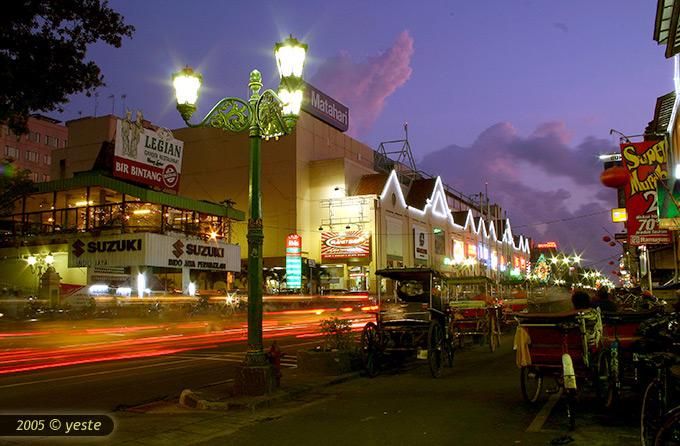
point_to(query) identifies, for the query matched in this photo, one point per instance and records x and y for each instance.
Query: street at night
(340, 223)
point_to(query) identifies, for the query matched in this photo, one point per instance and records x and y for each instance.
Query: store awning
(666, 26)
(663, 110)
(151, 196)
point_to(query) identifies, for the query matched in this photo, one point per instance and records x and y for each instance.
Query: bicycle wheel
(651, 412)
(669, 432)
(531, 382)
(605, 383)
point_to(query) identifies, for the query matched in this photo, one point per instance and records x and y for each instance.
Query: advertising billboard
(420, 243)
(345, 245)
(146, 156)
(147, 249)
(646, 164)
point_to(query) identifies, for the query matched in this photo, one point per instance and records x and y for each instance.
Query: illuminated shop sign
(646, 164)
(547, 245)
(146, 156)
(294, 261)
(147, 249)
(619, 215)
(325, 108)
(345, 245)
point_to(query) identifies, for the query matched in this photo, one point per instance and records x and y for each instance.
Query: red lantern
(612, 243)
(611, 262)
(606, 239)
(616, 177)
(616, 273)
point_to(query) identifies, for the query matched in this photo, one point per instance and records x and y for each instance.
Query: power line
(562, 219)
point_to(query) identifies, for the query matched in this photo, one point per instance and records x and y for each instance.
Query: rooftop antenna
(123, 97)
(404, 164)
(113, 103)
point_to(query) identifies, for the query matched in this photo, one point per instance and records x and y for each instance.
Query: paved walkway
(168, 423)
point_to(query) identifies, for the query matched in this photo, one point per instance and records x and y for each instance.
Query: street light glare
(32, 260)
(186, 83)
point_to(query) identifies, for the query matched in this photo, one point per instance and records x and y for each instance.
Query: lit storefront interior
(103, 214)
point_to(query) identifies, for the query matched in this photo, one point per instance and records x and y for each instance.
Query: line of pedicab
(612, 350)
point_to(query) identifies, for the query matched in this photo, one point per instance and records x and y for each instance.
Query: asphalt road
(105, 386)
(477, 402)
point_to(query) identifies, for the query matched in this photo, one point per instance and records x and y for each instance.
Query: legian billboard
(146, 156)
(646, 164)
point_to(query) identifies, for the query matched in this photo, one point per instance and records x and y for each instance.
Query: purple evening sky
(521, 94)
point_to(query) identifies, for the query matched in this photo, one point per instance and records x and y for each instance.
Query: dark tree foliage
(14, 183)
(43, 44)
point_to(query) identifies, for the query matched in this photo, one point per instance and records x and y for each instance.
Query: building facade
(33, 151)
(351, 210)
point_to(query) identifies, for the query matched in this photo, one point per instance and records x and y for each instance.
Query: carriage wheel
(369, 349)
(571, 412)
(449, 347)
(531, 382)
(606, 381)
(494, 338)
(435, 340)
(457, 337)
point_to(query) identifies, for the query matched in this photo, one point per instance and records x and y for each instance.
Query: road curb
(233, 403)
(264, 401)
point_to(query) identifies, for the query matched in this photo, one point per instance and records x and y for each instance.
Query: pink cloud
(365, 86)
(495, 157)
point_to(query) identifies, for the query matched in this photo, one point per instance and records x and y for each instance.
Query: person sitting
(580, 300)
(603, 302)
(591, 317)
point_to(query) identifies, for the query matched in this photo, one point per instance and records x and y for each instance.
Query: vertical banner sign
(420, 243)
(294, 261)
(146, 156)
(646, 164)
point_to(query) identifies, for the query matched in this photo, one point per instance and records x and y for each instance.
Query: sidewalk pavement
(166, 422)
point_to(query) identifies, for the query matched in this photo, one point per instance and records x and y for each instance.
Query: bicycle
(669, 432)
(656, 420)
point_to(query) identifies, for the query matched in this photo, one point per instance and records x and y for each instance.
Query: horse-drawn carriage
(475, 310)
(413, 320)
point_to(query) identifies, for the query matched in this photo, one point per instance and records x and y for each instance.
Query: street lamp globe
(31, 260)
(187, 82)
(49, 259)
(290, 60)
(290, 57)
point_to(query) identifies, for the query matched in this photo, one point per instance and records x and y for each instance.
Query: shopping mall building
(338, 208)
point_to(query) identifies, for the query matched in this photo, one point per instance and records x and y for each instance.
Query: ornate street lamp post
(266, 115)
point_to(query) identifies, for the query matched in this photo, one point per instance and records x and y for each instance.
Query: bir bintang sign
(145, 156)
